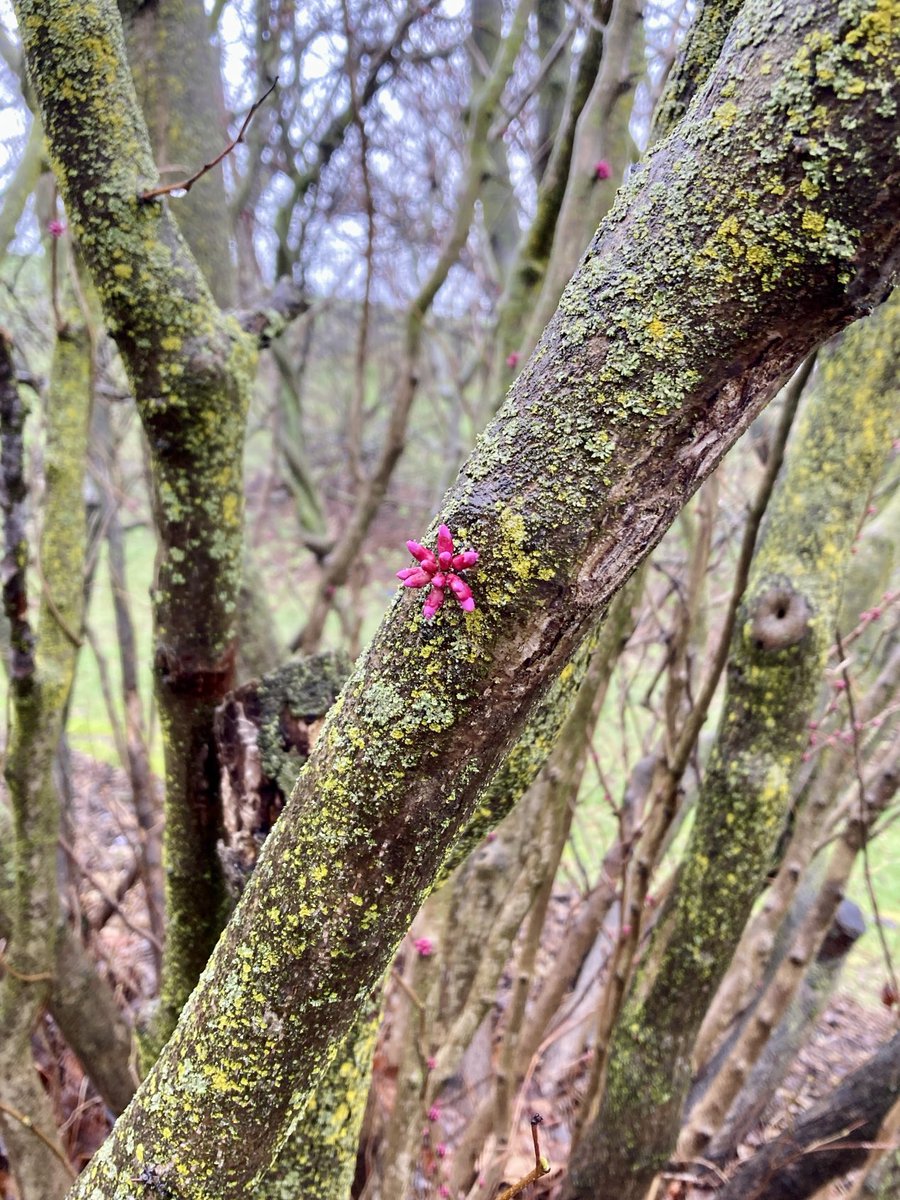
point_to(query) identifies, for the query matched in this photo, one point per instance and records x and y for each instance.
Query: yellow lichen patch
(814, 223)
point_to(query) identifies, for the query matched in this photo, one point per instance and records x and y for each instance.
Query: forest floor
(99, 859)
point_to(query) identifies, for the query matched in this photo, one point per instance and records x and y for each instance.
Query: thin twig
(541, 1165)
(863, 822)
(183, 186)
(37, 977)
(27, 1123)
(108, 898)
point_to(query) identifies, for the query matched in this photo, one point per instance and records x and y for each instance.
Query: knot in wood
(781, 618)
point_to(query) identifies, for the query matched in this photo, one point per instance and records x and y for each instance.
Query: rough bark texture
(726, 258)
(697, 57)
(827, 1141)
(784, 630)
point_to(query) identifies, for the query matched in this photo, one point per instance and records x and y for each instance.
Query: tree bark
(829, 1140)
(663, 350)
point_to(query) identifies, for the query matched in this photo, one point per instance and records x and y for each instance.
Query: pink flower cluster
(439, 572)
(56, 228)
(602, 169)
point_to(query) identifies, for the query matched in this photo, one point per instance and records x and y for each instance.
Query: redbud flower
(434, 571)
(431, 1062)
(602, 169)
(434, 1113)
(512, 360)
(443, 1190)
(441, 1150)
(424, 946)
(56, 228)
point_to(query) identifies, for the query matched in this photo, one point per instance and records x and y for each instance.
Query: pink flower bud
(56, 228)
(441, 1150)
(422, 553)
(407, 572)
(424, 947)
(419, 578)
(444, 542)
(468, 558)
(602, 169)
(434, 1113)
(512, 360)
(443, 1190)
(433, 602)
(445, 558)
(431, 1062)
(462, 592)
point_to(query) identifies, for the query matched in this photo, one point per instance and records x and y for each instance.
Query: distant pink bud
(424, 947)
(839, 685)
(443, 1190)
(468, 558)
(871, 510)
(434, 1113)
(626, 930)
(512, 360)
(56, 228)
(441, 1150)
(431, 1062)
(602, 169)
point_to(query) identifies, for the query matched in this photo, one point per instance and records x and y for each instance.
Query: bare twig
(26, 1122)
(863, 818)
(541, 1165)
(37, 977)
(183, 186)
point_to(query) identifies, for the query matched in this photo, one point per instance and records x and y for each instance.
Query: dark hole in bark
(781, 618)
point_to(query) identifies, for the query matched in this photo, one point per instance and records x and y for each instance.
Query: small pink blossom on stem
(440, 571)
(56, 228)
(602, 169)
(434, 1113)
(424, 947)
(512, 360)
